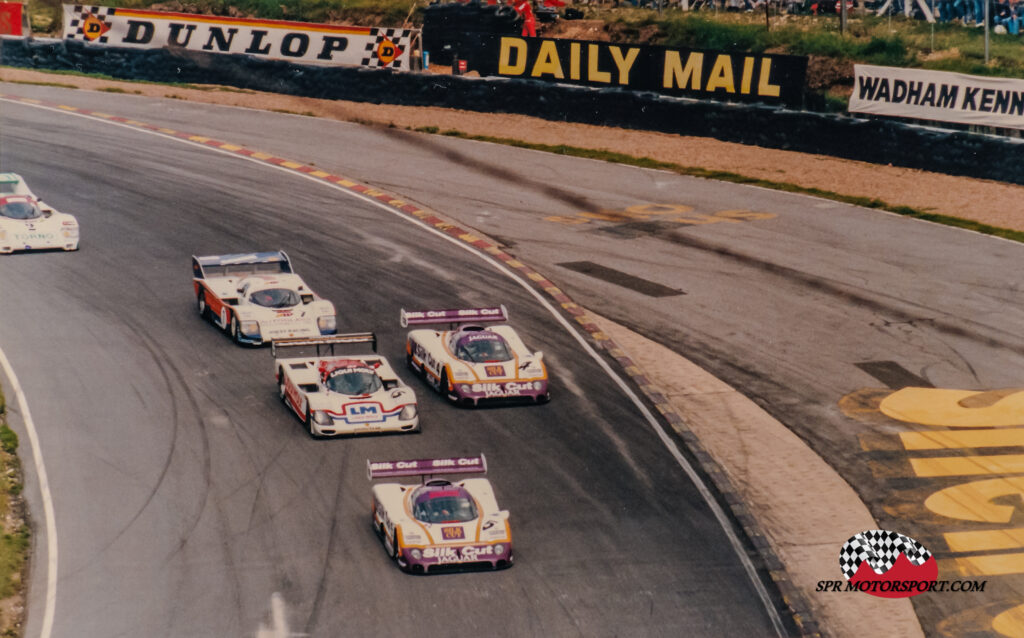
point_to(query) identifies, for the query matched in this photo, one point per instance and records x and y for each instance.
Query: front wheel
(235, 331)
(281, 393)
(204, 310)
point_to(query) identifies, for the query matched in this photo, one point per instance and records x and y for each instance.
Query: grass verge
(14, 533)
(736, 178)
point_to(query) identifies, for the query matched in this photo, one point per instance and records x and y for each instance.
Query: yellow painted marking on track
(468, 237)
(396, 202)
(198, 138)
(291, 164)
(952, 439)
(1010, 623)
(231, 147)
(969, 465)
(933, 406)
(535, 276)
(988, 540)
(167, 131)
(105, 116)
(633, 371)
(347, 183)
(514, 263)
(320, 174)
(29, 100)
(991, 565)
(260, 156)
(974, 501)
(67, 108)
(600, 336)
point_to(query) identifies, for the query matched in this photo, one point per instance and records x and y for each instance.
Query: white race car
(438, 524)
(257, 298)
(341, 393)
(470, 363)
(28, 224)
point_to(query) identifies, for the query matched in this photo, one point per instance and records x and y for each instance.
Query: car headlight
(537, 385)
(465, 388)
(3, 234)
(478, 387)
(321, 417)
(499, 549)
(408, 412)
(250, 328)
(328, 324)
(416, 554)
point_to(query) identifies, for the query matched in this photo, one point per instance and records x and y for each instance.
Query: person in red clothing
(525, 9)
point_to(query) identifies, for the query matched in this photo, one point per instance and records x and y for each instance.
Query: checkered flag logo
(880, 548)
(386, 47)
(89, 23)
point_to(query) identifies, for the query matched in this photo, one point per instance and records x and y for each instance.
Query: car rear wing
(240, 264)
(417, 317)
(426, 467)
(324, 345)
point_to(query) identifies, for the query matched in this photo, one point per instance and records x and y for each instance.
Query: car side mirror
(307, 299)
(47, 212)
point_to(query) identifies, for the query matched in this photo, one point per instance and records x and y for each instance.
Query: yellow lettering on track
(954, 439)
(990, 565)
(938, 407)
(968, 465)
(986, 540)
(974, 501)
(1010, 623)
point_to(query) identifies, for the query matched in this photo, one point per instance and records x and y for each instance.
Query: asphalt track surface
(797, 308)
(186, 496)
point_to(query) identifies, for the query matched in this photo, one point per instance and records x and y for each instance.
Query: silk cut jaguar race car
(28, 224)
(470, 363)
(437, 524)
(257, 298)
(337, 394)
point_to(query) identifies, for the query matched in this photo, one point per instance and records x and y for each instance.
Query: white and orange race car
(256, 298)
(438, 524)
(471, 363)
(337, 393)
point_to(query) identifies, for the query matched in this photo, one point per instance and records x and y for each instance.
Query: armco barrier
(876, 141)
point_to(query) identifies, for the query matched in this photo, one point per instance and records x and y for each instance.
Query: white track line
(44, 487)
(669, 444)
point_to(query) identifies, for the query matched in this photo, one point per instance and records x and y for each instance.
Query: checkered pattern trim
(880, 548)
(80, 13)
(401, 38)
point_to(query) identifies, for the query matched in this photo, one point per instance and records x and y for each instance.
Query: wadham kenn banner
(938, 95)
(304, 42)
(718, 75)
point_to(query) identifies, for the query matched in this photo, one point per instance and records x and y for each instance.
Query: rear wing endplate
(426, 467)
(325, 343)
(417, 317)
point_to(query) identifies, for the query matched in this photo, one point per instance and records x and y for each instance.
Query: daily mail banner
(938, 95)
(717, 75)
(303, 42)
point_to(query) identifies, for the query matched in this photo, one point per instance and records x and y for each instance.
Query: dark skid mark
(893, 375)
(840, 291)
(497, 171)
(597, 271)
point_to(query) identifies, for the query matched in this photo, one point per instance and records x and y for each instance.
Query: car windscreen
(275, 298)
(482, 347)
(20, 210)
(243, 270)
(444, 506)
(353, 381)
(7, 188)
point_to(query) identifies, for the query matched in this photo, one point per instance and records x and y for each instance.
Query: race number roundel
(387, 51)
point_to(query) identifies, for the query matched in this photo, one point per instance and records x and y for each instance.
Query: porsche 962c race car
(439, 524)
(256, 298)
(28, 224)
(341, 393)
(470, 363)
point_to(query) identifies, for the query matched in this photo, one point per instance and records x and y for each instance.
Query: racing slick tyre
(281, 394)
(442, 384)
(235, 331)
(204, 310)
(309, 425)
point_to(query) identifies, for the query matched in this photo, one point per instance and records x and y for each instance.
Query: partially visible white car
(28, 224)
(336, 393)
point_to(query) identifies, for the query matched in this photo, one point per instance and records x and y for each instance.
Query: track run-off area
(187, 499)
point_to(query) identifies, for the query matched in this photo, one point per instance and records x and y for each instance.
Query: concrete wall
(875, 140)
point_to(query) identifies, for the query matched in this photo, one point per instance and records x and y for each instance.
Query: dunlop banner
(938, 95)
(746, 77)
(303, 42)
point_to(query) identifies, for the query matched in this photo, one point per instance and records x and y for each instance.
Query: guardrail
(876, 141)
